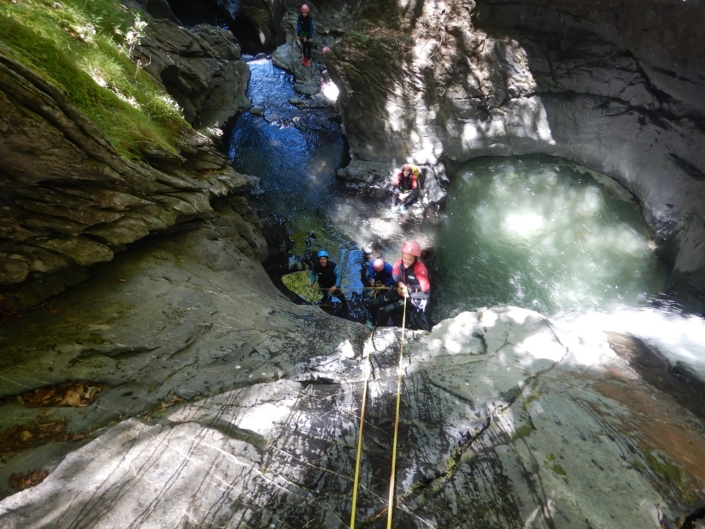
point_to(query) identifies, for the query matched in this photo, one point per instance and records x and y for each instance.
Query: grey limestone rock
(199, 67)
(74, 200)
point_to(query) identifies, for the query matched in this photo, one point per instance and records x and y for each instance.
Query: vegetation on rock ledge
(86, 49)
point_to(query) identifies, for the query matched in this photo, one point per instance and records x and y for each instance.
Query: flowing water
(296, 153)
(535, 231)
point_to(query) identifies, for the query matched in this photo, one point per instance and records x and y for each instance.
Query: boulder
(199, 67)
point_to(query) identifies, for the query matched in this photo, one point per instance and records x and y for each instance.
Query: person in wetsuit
(411, 278)
(304, 32)
(379, 274)
(406, 187)
(325, 274)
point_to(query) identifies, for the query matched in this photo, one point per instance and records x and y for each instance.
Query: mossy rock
(300, 283)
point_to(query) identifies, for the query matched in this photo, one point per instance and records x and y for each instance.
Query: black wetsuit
(327, 278)
(304, 29)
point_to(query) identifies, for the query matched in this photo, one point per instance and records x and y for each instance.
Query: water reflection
(295, 156)
(541, 233)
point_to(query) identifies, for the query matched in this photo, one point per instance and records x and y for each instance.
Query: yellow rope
(396, 423)
(363, 288)
(359, 443)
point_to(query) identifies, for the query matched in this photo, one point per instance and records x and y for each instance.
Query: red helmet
(412, 247)
(304, 9)
(406, 167)
(378, 265)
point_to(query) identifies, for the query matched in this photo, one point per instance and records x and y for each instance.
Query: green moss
(559, 470)
(670, 472)
(531, 397)
(522, 431)
(360, 39)
(82, 48)
(300, 283)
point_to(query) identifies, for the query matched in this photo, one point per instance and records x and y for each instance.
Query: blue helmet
(322, 253)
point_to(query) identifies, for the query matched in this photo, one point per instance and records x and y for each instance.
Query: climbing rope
(396, 422)
(359, 441)
(356, 480)
(365, 288)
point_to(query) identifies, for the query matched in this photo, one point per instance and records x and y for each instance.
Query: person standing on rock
(325, 274)
(406, 187)
(411, 278)
(379, 274)
(304, 32)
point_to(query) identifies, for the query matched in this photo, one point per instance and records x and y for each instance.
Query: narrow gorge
(155, 372)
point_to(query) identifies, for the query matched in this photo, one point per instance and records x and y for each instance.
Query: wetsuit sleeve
(396, 271)
(336, 273)
(298, 26)
(310, 31)
(313, 276)
(370, 271)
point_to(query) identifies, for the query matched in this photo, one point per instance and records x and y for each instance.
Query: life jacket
(325, 274)
(407, 183)
(416, 280)
(305, 25)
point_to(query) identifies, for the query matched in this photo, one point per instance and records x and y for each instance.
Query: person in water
(411, 279)
(379, 274)
(405, 187)
(325, 274)
(304, 32)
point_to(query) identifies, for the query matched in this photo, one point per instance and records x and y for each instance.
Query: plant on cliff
(85, 48)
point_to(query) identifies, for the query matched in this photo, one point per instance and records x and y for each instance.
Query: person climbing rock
(325, 274)
(411, 278)
(379, 274)
(406, 187)
(304, 32)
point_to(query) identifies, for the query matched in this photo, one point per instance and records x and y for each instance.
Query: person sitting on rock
(325, 275)
(304, 32)
(379, 274)
(406, 187)
(411, 278)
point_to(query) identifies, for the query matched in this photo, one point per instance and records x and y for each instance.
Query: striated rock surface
(227, 405)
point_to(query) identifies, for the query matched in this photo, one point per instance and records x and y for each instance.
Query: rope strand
(396, 423)
(359, 442)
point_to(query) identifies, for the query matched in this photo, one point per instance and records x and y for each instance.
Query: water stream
(535, 231)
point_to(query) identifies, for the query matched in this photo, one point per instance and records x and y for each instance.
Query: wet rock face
(230, 404)
(200, 68)
(574, 79)
(256, 23)
(70, 200)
